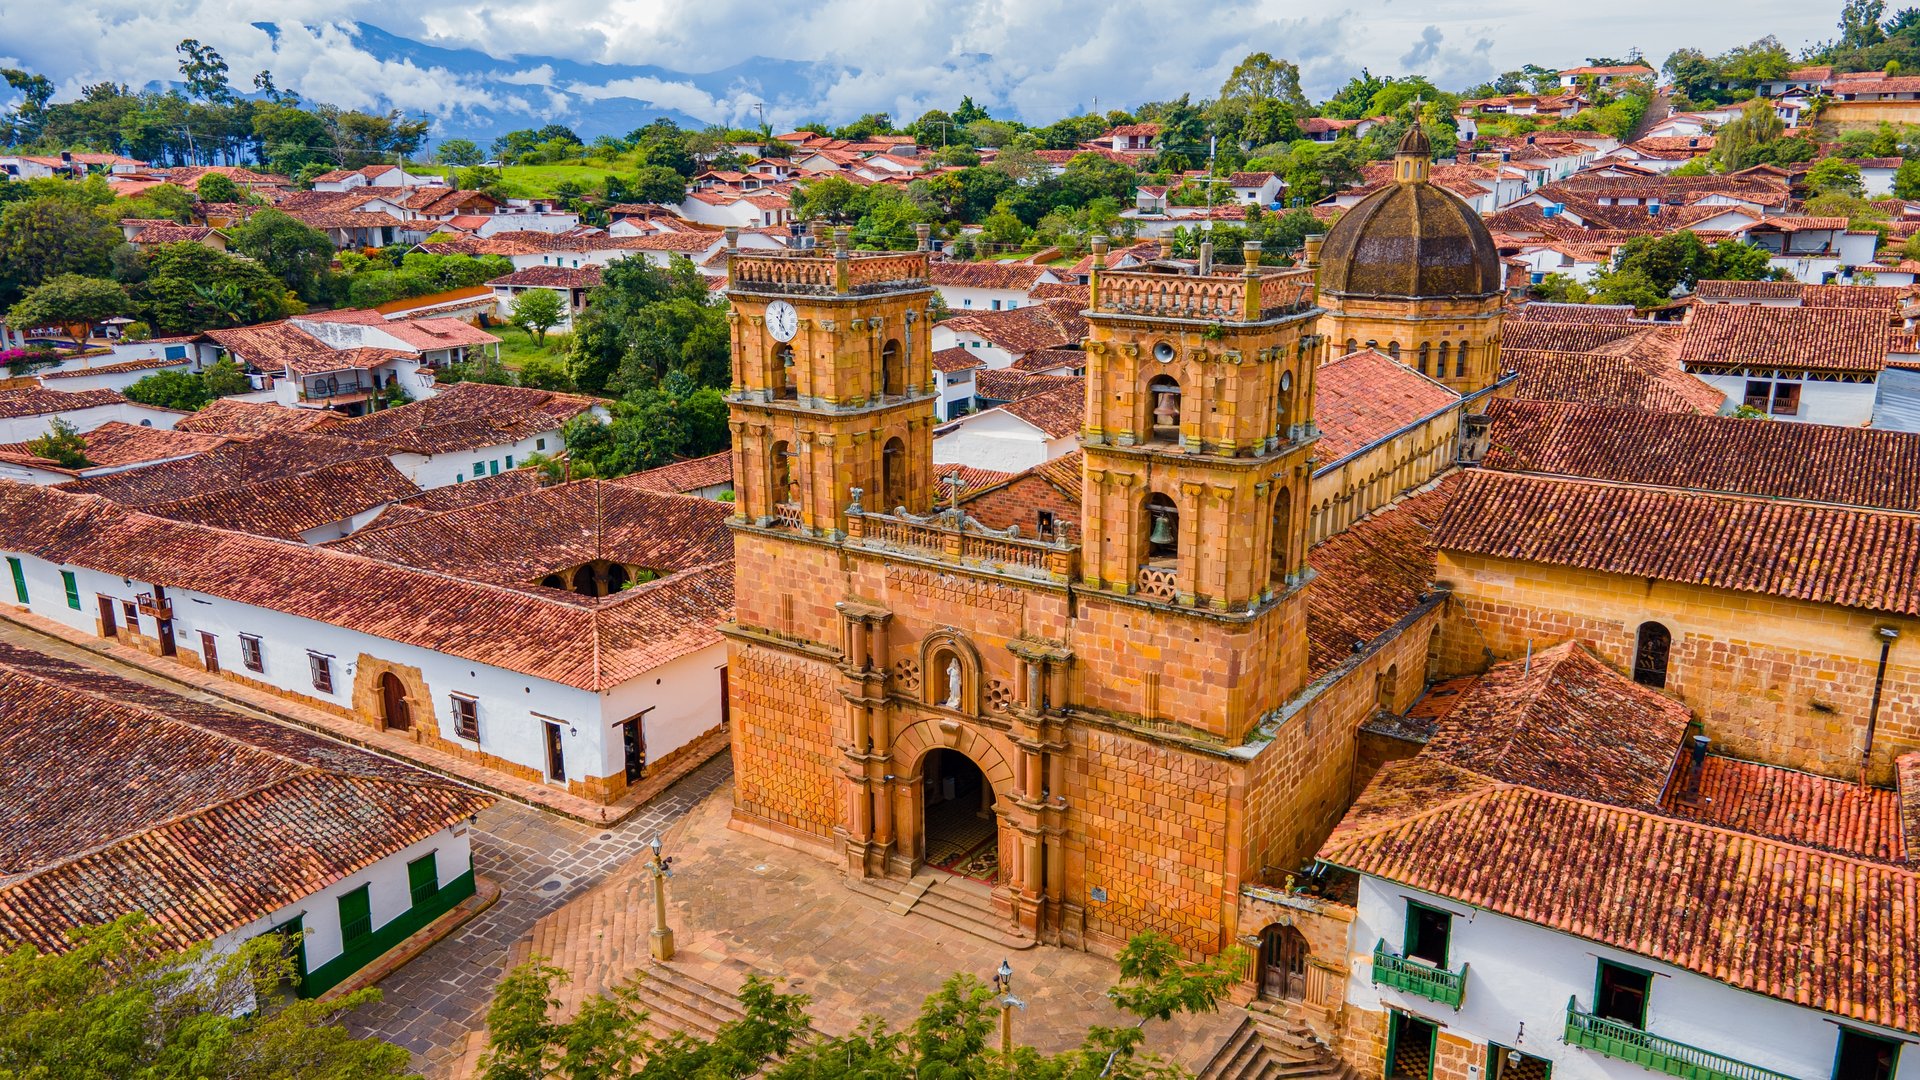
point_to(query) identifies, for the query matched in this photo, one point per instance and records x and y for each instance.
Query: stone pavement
(741, 905)
(541, 862)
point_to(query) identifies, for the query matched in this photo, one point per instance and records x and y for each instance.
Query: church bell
(1162, 531)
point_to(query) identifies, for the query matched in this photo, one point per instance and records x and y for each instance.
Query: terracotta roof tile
(464, 416)
(985, 275)
(1059, 412)
(555, 277)
(1365, 396)
(684, 477)
(1817, 339)
(35, 401)
(117, 445)
(955, 359)
(248, 419)
(1371, 575)
(1863, 559)
(1799, 808)
(1023, 329)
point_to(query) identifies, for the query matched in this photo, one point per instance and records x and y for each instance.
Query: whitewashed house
(29, 412)
(1018, 435)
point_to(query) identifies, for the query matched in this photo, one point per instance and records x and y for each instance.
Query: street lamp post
(1003, 985)
(661, 869)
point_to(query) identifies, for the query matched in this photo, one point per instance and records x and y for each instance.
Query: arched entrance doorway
(1283, 963)
(960, 830)
(393, 703)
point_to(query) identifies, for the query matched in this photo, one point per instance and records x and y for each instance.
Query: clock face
(782, 321)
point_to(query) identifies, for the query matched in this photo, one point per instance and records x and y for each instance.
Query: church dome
(1410, 239)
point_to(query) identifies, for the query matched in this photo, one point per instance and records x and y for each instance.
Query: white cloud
(1037, 59)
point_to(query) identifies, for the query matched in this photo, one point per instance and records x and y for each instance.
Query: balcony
(333, 390)
(1221, 297)
(954, 537)
(1418, 978)
(1627, 1043)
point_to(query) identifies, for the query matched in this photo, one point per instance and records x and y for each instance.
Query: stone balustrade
(952, 536)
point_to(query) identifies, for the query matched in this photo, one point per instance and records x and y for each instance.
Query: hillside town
(1421, 584)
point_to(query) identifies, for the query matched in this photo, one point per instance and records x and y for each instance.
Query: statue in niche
(953, 683)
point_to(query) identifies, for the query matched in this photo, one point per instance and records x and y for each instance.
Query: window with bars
(466, 717)
(423, 879)
(356, 916)
(250, 653)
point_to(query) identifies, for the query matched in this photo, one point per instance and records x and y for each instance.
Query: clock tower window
(893, 369)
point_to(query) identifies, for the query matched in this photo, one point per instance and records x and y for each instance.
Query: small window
(996, 305)
(1651, 649)
(459, 478)
(466, 717)
(132, 612)
(1620, 994)
(322, 668)
(495, 470)
(356, 916)
(966, 302)
(19, 579)
(1429, 933)
(423, 879)
(1786, 399)
(539, 444)
(1045, 523)
(1865, 1057)
(72, 586)
(1757, 395)
(509, 461)
(250, 653)
(479, 469)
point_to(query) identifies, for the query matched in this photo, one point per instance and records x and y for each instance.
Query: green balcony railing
(1628, 1043)
(1415, 977)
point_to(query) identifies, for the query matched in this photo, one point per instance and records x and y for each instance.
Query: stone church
(1114, 716)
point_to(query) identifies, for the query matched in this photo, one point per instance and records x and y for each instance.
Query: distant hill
(597, 99)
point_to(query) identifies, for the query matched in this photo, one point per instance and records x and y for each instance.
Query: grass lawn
(517, 346)
(529, 180)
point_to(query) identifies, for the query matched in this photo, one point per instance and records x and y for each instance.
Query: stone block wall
(783, 738)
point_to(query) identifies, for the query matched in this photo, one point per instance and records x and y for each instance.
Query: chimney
(1698, 765)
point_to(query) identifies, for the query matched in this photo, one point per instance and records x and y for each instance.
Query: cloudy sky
(1036, 59)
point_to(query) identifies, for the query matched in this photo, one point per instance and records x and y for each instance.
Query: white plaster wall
(682, 699)
(1521, 973)
(970, 298)
(1847, 404)
(387, 894)
(992, 440)
(458, 466)
(508, 700)
(22, 428)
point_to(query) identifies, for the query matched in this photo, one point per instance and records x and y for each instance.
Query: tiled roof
(464, 416)
(227, 416)
(1365, 396)
(1556, 335)
(34, 401)
(985, 275)
(1846, 296)
(1023, 329)
(1817, 339)
(1640, 369)
(422, 334)
(1371, 575)
(569, 639)
(1066, 472)
(553, 277)
(167, 232)
(283, 507)
(1819, 930)
(1808, 462)
(1249, 179)
(216, 820)
(1800, 808)
(1585, 314)
(119, 444)
(1562, 720)
(1059, 412)
(360, 358)
(149, 364)
(683, 477)
(1863, 559)
(955, 359)
(969, 478)
(269, 346)
(1006, 384)
(233, 465)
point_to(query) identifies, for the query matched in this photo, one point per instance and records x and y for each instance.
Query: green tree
(536, 311)
(291, 250)
(118, 1003)
(162, 202)
(458, 152)
(1737, 143)
(545, 373)
(1906, 180)
(190, 288)
(1835, 176)
(217, 188)
(224, 378)
(62, 444)
(1860, 23)
(968, 112)
(657, 184)
(646, 322)
(171, 390)
(46, 237)
(72, 301)
(1731, 260)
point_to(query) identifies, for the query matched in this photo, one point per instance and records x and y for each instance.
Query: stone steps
(679, 1003)
(954, 905)
(1270, 1046)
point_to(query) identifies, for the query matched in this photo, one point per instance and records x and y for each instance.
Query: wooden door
(209, 652)
(393, 703)
(109, 618)
(634, 744)
(166, 638)
(1283, 963)
(556, 755)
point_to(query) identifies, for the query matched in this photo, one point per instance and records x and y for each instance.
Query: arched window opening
(1441, 371)
(1352, 345)
(893, 475)
(1163, 395)
(1384, 688)
(785, 378)
(1282, 543)
(1460, 361)
(1426, 351)
(893, 369)
(554, 581)
(1284, 407)
(780, 475)
(1650, 651)
(1393, 349)
(1163, 529)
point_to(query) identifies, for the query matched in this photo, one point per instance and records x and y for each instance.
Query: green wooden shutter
(356, 916)
(423, 878)
(73, 589)
(19, 579)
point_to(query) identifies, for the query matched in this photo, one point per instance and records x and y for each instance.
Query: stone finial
(732, 233)
(1313, 242)
(842, 238)
(1166, 247)
(923, 234)
(1206, 257)
(1099, 252)
(1251, 253)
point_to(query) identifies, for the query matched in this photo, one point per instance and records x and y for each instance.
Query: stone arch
(369, 672)
(913, 748)
(915, 741)
(893, 369)
(1426, 358)
(1163, 409)
(937, 651)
